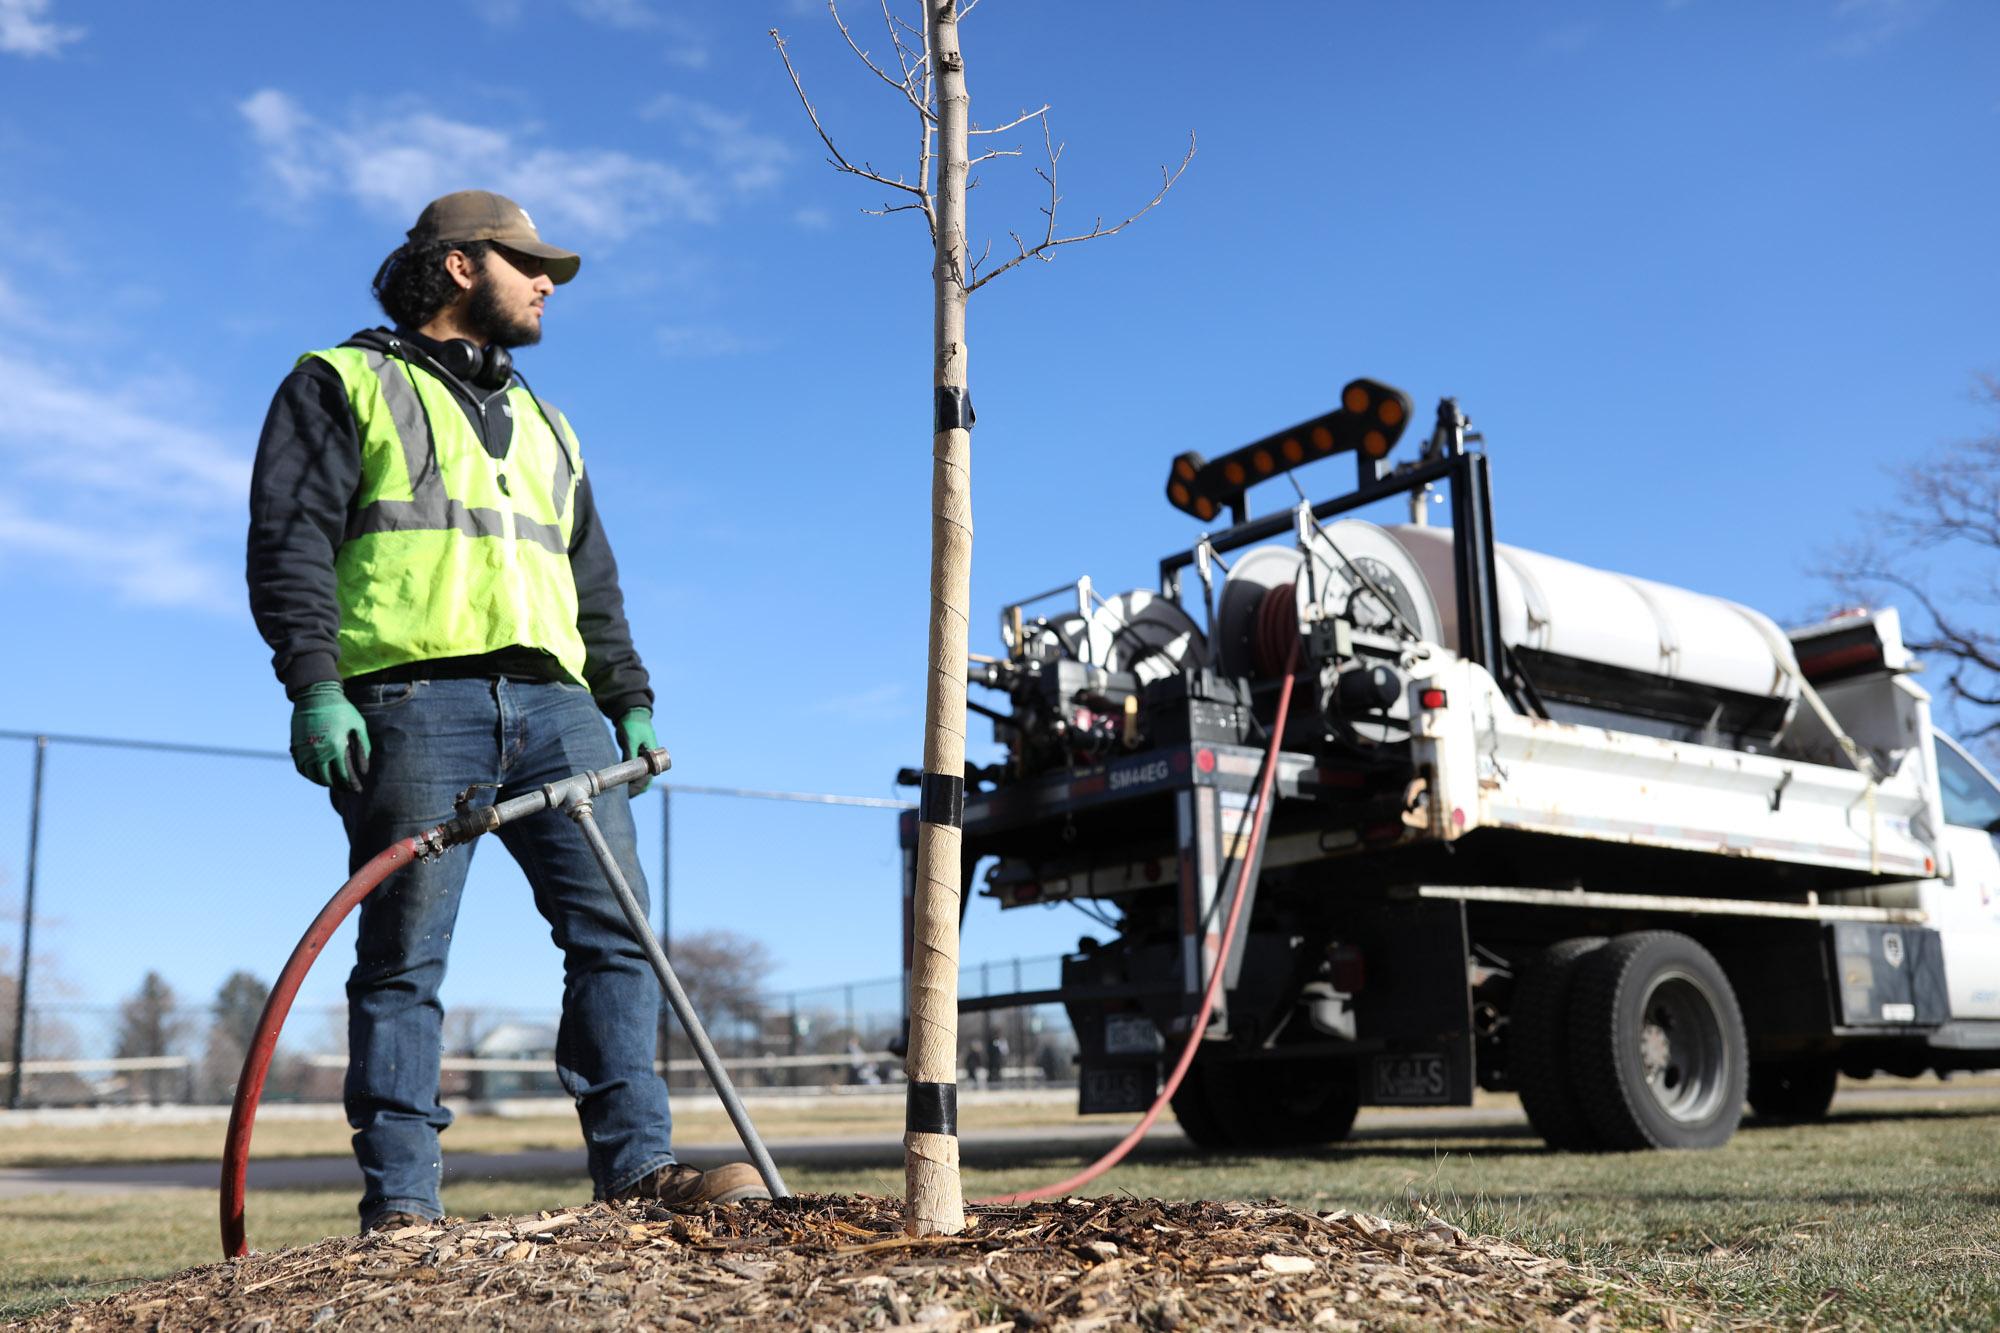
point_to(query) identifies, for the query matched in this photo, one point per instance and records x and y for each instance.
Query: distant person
(427, 563)
(975, 1067)
(860, 1069)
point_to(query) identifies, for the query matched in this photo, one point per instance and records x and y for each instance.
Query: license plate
(1130, 1034)
(1116, 1088)
(1422, 1079)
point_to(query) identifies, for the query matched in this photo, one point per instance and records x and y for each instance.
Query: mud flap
(1416, 1007)
(1888, 975)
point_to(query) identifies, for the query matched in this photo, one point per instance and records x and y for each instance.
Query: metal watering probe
(572, 796)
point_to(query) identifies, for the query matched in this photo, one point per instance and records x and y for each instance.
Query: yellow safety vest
(449, 551)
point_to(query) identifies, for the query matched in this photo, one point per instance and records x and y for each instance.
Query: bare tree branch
(1946, 508)
(1021, 119)
(1050, 240)
(901, 85)
(839, 160)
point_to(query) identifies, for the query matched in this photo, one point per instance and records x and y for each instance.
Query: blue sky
(1698, 271)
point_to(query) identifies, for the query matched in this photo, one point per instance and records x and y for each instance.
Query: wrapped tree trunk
(932, 81)
(935, 1203)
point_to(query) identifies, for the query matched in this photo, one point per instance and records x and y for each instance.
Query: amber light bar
(1368, 422)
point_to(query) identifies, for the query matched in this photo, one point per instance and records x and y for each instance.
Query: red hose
(1262, 821)
(257, 1062)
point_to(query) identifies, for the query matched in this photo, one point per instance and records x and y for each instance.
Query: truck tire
(1538, 1045)
(1193, 1108)
(1297, 1103)
(1793, 1090)
(1270, 1103)
(1658, 1056)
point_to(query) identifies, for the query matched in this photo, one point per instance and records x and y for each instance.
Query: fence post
(792, 1037)
(666, 1039)
(1018, 1020)
(27, 930)
(986, 1024)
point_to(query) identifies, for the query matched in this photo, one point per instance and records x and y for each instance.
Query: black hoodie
(303, 485)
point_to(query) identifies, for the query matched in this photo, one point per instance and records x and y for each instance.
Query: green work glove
(329, 739)
(635, 734)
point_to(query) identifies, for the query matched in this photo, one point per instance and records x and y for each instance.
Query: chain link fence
(138, 858)
(828, 1037)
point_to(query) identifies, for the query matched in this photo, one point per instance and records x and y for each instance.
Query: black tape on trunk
(931, 1108)
(942, 800)
(953, 410)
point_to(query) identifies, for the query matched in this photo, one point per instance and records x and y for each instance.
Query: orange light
(1375, 444)
(1322, 438)
(1294, 451)
(1183, 469)
(1263, 462)
(1233, 472)
(1355, 399)
(1390, 411)
(1204, 508)
(1178, 494)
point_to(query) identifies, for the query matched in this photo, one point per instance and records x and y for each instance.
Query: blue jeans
(431, 740)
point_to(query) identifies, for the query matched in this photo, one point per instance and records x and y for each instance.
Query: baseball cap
(481, 215)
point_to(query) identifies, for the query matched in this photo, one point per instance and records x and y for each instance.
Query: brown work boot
(678, 1185)
(396, 1222)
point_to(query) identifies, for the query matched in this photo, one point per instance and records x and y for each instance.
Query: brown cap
(481, 215)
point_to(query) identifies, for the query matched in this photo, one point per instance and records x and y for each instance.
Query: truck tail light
(1347, 969)
(1431, 698)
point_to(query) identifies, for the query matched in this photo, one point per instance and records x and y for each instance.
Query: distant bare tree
(465, 1026)
(1935, 550)
(723, 973)
(150, 1024)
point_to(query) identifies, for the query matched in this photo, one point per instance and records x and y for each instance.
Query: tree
(150, 1024)
(723, 974)
(239, 1003)
(930, 77)
(1936, 550)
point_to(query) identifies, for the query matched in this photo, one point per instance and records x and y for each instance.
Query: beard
(483, 312)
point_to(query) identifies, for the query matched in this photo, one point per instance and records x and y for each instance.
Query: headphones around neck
(490, 367)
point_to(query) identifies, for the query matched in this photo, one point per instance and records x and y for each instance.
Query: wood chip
(1286, 1263)
(822, 1264)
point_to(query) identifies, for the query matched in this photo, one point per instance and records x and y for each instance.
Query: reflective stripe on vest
(443, 556)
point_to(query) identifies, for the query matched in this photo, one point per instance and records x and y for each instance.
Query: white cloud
(749, 160)
(1869, 24)
(701, 340)
(395, 159)
(813, 219)
(626, 14)
(1568, 39)
(25, 31)
(150, 569)
(126, 493)
(877, 703)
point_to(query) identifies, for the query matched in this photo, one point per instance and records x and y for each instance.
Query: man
(426, 562)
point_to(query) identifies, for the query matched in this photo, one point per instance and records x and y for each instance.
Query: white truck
(1631, 851)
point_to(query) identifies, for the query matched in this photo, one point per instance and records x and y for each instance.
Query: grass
(1870, 1220)
(696, 1120)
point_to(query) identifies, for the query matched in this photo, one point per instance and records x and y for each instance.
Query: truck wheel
(1796, 1089)
(1285, 1103)
(1193, 1107)
(1538, 1045)
(1657, 1052)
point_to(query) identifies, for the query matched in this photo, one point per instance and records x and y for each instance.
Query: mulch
(842, 1262)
